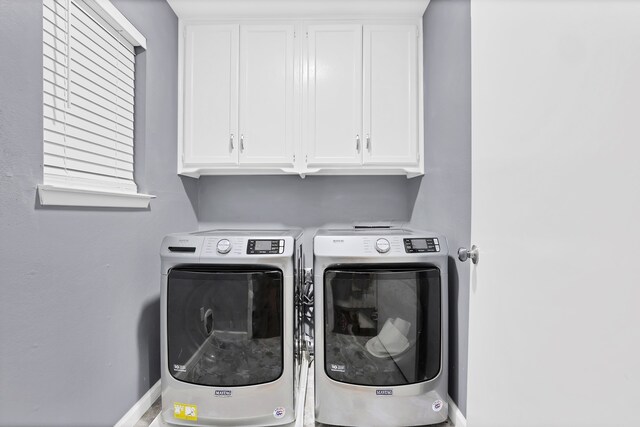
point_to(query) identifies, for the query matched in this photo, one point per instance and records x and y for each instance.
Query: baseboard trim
(456, 417)
(141, 406)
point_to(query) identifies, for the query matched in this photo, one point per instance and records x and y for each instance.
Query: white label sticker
(279, 412)
(179, 368)
(437, 405)
(335, 367)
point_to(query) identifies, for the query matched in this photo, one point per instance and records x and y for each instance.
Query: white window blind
(89, 76)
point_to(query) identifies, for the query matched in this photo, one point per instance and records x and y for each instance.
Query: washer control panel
(262, 247)
(223, 246)
(383, 246)
(421, 245)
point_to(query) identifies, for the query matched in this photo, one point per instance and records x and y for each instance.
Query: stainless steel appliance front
(229, 355)
(380, 327)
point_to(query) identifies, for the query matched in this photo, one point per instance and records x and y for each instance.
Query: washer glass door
(382, 324)
(224, 325)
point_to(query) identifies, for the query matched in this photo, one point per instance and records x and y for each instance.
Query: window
(88, 105)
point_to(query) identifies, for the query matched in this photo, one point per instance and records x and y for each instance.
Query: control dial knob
(383, 246)
(223, 246)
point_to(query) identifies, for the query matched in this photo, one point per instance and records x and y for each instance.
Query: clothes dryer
(230, 343)
(381, 327)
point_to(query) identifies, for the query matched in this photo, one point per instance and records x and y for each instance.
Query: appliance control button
(382, 246)
(224, 246)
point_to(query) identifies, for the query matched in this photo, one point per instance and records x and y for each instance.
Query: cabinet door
(266, 94)
(390, 94)
(334, 115)
(211, 95)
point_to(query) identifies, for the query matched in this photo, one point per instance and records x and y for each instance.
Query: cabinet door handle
(358, 143)
(242, 143)
(231, 141)
(368, 143)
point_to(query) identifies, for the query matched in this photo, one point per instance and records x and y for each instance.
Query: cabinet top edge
(297, 9)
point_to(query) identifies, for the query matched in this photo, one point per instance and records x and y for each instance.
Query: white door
(554, 325)
(390, 116)
(211, 95)
(266, 94)
(334, 115)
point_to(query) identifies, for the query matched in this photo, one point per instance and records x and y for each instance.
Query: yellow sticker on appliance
(185, 411)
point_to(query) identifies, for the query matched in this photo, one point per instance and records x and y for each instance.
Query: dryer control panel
(265, 246)
(421, 245)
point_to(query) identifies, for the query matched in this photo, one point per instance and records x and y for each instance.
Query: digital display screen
(419, 243)
(263, 245)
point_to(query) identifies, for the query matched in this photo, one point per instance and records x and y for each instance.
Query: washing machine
(381, 327)
(230, 343)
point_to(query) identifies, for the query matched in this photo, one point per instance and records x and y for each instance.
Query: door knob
(464, 254)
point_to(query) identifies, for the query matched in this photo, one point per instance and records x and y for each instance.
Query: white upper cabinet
(334, 120)
(266, 122)
(210, 95)
(307, 95)
(390, 119)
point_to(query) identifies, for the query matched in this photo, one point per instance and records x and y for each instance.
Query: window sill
(53, 195)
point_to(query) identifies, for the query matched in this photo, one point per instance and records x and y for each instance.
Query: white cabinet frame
(390, 74)
(266, 120)
(298, 160)
(334, 115)
(209, 87)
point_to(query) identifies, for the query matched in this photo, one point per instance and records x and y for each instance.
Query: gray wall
(246, 201)
(79, 310)
(308, 202)
(442, 197)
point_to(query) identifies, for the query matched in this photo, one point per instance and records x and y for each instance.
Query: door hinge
(306, 159)
(294, 158)
(307, 34)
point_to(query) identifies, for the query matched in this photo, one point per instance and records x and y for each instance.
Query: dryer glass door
(224, 326)
(382, 325)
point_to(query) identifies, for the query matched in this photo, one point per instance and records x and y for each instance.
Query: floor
(151, 414)
(152, 417)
